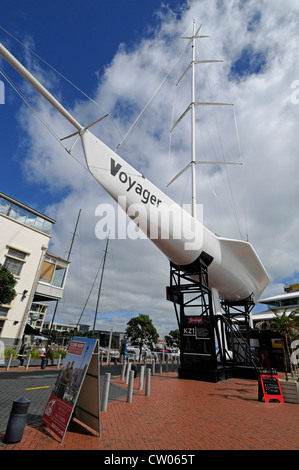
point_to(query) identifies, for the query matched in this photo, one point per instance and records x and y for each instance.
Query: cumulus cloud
(258, 42)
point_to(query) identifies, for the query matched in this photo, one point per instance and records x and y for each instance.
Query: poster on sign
(269, 386)
(76, 391)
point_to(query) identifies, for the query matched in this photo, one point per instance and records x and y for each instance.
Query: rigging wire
(151, 99)
(54, 70)
(91, 289)
(124, 139)
(38, 115)
(243, 176)
(223, 156)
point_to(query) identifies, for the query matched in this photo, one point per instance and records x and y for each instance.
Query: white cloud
(137, 273)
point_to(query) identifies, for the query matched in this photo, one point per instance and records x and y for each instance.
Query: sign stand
(269, 386)
(76, 392)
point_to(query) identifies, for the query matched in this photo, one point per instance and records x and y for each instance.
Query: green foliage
(8, 352)
(173, 339)
(7, 284)
(55, 353)
(288, 327)
(35, 354)
(141, 328)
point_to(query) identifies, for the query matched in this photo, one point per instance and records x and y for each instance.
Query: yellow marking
(36, 388)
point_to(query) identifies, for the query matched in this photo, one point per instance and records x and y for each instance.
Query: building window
(4, 311)
(53, 272)
(14, 261)
(24, 216)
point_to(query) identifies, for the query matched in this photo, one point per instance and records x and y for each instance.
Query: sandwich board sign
(76, 392)
(269, 386)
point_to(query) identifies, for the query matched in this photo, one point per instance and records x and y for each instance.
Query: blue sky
(118, 52)
(68, 37)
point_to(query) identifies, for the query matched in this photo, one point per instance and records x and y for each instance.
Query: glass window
(14, 265)
(16, 253)
(24, 216)
(4, 206)
(39, 223)
(3, 311)
(58, 276)
(47, 227)
(47, 272)
(20, 214)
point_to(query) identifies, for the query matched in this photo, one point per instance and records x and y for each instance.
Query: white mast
(192, 106)
(193, 125)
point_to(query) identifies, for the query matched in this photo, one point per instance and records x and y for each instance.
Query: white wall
(35, 243)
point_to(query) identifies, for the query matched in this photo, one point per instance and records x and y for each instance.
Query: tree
(7, 284)
(141, 330)
(286, 325)
(173, 339)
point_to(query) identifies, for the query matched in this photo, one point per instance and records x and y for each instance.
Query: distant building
(24, 238)
(267, 341)
(278, 303)
(65, 327)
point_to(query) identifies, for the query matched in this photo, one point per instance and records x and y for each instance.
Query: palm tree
(285, 325)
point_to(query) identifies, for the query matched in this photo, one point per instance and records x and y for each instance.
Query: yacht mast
(193, 125)
(192, 106)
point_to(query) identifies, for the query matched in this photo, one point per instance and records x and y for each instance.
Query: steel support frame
(189, 289)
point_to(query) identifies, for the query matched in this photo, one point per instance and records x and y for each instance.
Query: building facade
(24, 239)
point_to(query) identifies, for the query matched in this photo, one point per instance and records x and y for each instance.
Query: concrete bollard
(147, 382)
(128, 372)
(160, 367)
(28, 361)
(9, 361)
(153, 366)
(141, 378)
(17, 420)
(123, 368)
(106, 391)
(130, 387)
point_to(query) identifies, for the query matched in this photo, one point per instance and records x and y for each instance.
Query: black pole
(100, 287)
(68, 257)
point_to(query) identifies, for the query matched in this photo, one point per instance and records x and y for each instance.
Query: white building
(278, 303)
(24, 238)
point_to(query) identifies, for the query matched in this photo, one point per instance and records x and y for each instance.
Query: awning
(31, 331)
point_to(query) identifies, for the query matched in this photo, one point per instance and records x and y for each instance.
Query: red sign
(76, 347)
(57, 415)
(269, 387)
(195, 320)
(66, 390)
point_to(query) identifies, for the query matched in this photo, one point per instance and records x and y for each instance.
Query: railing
(242, 355)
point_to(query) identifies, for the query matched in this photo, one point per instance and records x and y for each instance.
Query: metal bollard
(128, 372)
(141, 378)
(147, 382)
(106, 391)
(130, 387)
(17, 420)
(153, 366)
(44, 363)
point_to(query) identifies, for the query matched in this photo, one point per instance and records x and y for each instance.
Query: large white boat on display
(235, 271)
